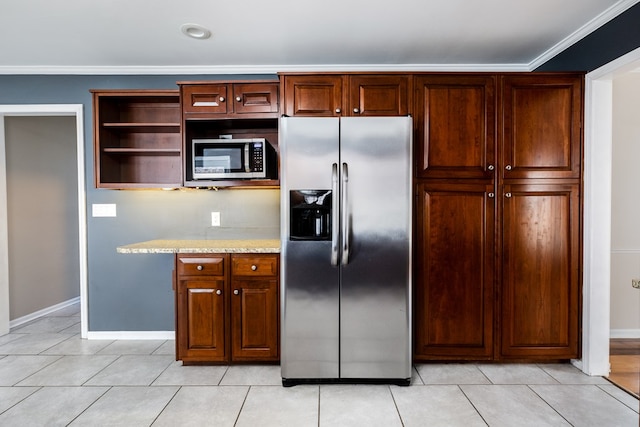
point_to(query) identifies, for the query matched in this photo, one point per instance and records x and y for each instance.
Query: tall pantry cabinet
(498, 173)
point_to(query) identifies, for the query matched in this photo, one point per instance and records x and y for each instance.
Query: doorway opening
(73, 110)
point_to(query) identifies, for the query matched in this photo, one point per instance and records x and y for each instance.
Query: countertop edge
(204, 246)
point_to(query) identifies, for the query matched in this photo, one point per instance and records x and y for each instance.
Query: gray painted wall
(42, 212)
(133, 292)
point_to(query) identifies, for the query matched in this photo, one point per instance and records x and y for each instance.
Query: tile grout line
(166, 405)
(393, 398)
(471, 402)
(242, 406)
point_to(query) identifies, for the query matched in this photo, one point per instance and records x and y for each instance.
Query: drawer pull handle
(236, 292)
(202, 291)
(254, 267)
(199, 268)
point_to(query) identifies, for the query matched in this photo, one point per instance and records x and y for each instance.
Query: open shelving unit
(137, 139)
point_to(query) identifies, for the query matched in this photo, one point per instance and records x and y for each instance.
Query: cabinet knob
(238, 98)
(355, 110)
(507, 195)
(338, 111)
(199, 268)
(491, 167)
(254, 267)
(508, 167)
(218, 292)
(222, 99)
(236, 292)
(491, 195)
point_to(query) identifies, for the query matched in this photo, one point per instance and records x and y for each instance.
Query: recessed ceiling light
(195, 31)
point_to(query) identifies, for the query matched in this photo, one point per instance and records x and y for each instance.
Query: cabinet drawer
(200, 266)
(251, 265)
(255, 98)
(211, 99)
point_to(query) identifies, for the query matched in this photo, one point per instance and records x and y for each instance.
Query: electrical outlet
(215, 219)
(635, 283)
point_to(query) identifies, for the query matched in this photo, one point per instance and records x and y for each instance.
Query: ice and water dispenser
(310, 214)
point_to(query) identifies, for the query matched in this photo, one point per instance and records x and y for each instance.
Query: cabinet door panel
(255, 98)
(378, 96)
(207, 99)
(542, 127)
(540, 271)
(313, 95)
(254, 327)
(455, 126)
(455, 278)
(201, 320)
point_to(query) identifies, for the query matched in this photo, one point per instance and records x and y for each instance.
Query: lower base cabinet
(227, 308)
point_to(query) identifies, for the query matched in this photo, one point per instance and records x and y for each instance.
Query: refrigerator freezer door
(375, 315)
(310, 291)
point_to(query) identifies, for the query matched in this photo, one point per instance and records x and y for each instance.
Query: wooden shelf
(143, 151)
(137, 139)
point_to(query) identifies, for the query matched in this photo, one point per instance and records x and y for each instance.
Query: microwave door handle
(335, 231)
(247, 166)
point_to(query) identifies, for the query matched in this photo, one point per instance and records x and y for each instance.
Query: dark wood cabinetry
(455, 126)
(540, 272)
(346, 95)
(541, 126)
(137, 139)
(454, 280)
(241, 109)
(227, 308)
(498, 216)
(213, 100)
(254, 307)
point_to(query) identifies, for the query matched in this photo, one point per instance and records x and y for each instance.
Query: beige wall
(625, 212)
(42, 212)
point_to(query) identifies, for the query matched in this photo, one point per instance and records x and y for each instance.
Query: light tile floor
(51, 377)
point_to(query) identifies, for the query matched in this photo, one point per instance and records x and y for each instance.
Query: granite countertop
(201, 246)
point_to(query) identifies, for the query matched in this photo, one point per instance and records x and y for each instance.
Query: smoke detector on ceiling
(195, 31)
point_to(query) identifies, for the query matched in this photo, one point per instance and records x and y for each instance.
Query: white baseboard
(131, 335)
(625, 333)
(40, 313)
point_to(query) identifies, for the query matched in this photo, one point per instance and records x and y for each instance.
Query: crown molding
(582, 32)
(251, 69)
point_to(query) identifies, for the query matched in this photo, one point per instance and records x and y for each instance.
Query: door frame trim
(43, 110)
(598, 138)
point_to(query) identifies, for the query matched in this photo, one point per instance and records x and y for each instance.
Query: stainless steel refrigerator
(346, 249)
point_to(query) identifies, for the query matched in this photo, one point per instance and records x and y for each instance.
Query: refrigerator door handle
(345, 215)
(334, 214)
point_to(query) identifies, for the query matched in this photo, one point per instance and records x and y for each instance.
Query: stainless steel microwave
(229, 158)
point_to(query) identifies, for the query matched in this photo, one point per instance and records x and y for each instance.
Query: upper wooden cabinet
(542, 126)
(237, 110)
(213, 100)
(455, 126)
(346, 95)
(137, 138)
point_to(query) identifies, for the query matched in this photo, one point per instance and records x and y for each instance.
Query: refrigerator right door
(375, 302)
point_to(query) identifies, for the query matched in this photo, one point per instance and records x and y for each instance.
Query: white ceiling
(258, 36)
